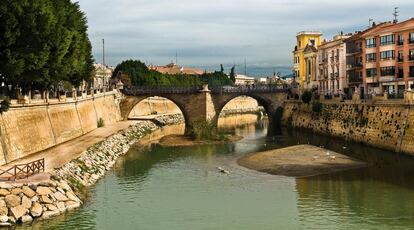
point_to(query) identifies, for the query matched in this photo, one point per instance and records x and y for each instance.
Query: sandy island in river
(180, 140)
(299, 161)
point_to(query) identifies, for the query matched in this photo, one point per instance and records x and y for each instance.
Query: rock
(45, 200)
(4, 218)
(72, 196)
(16, 191)
(33, 187)
(18, 211)
(3, 208)
(41, 190)
(12, 219)
(60, 197)
(4, 192)
(71, 205)
(52, 189)
(35, 199)
(26, 202)
(51, 207)
(28, 192)
(63, 184)
(36, 210)
(49, 214)
(27, 218)
(12, 200)
(61, 206)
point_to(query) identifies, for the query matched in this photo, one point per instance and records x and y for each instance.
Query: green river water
(180, 188)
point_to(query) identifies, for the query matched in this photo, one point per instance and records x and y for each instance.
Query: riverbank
(181, 140)
(58, 190)
(299, 161)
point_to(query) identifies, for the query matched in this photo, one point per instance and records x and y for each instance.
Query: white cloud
(208, 32)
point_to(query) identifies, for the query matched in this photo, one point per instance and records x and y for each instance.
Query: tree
(307, 97)
(43, 42)
(221, 68)
(233, 74)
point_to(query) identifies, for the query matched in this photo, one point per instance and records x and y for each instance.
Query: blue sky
(210, 32)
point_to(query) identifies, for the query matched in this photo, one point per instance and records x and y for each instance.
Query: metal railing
(251, 89)
(146, 90)
(21, 171)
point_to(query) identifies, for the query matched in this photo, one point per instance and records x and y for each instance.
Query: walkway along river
(180, 188)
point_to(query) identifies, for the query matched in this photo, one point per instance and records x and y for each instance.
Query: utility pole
(245, 67)
(176, 57)
(395, 14)
(103, 51)
(369, 22)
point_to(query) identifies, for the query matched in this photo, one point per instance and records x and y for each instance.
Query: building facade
(332, 78)
(302, 69)
(388, 58)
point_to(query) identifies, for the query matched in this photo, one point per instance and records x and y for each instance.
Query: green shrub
(317, 107)
(307, 97)
(101, 122)
(4, 105)
(204, 130)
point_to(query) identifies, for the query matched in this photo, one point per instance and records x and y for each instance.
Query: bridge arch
(129, 102)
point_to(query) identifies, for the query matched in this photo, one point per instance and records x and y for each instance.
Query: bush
(306, 97)
(317, 107)
(204, 130)
(101, 122)
(4, 105)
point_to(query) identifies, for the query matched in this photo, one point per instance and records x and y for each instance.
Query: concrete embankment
(26, 201)
(385, 125)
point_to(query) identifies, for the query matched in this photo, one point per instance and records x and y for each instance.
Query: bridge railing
(145, 90)
(250, 89)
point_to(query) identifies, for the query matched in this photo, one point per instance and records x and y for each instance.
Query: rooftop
(309, 33)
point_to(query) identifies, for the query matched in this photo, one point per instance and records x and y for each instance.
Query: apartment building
(304, 58)
(388, 58)
(332, 78)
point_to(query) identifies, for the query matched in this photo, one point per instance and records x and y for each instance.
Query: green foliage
(43, 43)
(141, 75)
(204, 130)
(233, 74)
(4, 105)
(317, 107)
(100, 122)
(307, 97)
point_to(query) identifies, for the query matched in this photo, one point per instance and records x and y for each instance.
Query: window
(411, 38)
(400, 72)
(388, 71)
(386, 55)
(400, 56)
(370, 42)
(387, 40)
(372, 57)
(411, 55)
(400, 40)
(312, 42)
(411, 71)
(371, 72)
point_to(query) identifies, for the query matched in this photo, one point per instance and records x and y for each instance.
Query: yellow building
(304, 70)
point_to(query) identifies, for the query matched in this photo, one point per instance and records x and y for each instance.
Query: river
(180, 188)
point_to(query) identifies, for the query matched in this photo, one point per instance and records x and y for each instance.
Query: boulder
(28, 192)
(35, 199)
(71, 205)
(63, 184)
(4, 218)
(3, 208)
(61, 206)
(51, 207)
(26, 202)
(27, 218)
(72, 196)
(48, 214)
(16, 191)
(12, 200)
(36, 210)
(45, 200)
(18, 211)
(60, 197)
(41, 190)
(4, 192)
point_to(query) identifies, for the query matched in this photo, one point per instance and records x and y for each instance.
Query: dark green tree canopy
(141, 75)
(43, 42)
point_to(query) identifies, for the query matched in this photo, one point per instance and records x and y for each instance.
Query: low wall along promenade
(26, 129)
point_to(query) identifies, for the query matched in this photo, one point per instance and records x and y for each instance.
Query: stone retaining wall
(387, 126)
(32, 128)
(40, 200)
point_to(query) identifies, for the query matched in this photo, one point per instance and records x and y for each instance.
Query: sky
(206, 33)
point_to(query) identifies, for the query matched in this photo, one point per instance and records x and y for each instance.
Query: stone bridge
(206, 104)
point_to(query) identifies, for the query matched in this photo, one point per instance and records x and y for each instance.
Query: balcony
(354, 79)
(400, 59)
(400, 43)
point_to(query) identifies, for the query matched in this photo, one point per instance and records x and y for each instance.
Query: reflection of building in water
(354, 199)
